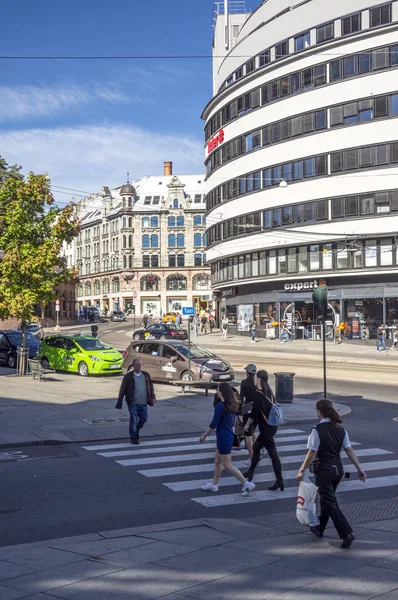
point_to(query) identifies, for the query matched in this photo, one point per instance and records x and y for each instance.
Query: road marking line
(139, 452)
(196, 456)
(174, 441)
(182, 486)
(266, 495)
(209, 467)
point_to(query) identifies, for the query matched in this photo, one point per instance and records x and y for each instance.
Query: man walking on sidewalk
(381, 338)
(137, 388)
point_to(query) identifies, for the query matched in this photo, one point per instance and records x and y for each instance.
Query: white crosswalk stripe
(291, 444)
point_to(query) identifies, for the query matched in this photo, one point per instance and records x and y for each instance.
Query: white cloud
(21, 102)
(87, 158)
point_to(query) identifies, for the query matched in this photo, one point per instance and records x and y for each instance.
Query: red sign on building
(215, 141)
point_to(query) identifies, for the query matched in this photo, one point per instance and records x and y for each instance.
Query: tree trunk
(22, 358)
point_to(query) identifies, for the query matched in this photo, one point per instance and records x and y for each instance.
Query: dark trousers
(327, 478)
(266, 440)
(138, 418)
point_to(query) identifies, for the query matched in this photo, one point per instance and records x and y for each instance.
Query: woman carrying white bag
(325, 443)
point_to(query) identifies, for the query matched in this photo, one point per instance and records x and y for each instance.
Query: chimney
(168, 168)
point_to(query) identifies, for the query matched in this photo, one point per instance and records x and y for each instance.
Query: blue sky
(87, 122)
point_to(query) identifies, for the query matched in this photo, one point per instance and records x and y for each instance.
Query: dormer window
(175, 203)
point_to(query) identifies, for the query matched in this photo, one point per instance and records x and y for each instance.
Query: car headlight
(204, 368)
(95, 358)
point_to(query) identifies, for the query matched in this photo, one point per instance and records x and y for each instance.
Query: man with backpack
(203, 323)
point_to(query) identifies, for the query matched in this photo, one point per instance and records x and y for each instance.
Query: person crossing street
(137, 389)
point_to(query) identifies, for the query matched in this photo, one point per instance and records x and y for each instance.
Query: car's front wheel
(83, 369)
(11, 362)
(186, 376)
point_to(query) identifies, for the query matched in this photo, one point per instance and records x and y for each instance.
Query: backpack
(275, 416)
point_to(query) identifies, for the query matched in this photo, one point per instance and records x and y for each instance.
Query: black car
(161, 331)
(10, 340)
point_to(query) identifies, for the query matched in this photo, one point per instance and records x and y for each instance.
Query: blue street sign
(188, 310)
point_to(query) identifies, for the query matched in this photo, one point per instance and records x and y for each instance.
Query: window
(324, 33)
(250, 66)
(180, 221)
(351, 24)
(154, 221)
(282, 49)
(319, 75)
(87, 291)
(180, 240)
(197, 260)
(156, 200)
(130, 262)
(154, 240)
(380, 15)
(327, 257)
(364, 62)
(314, 258)
(282, 266)
(381, 106)
(97, 288)
(106, 286)
(171, 240)
(303, 259)
(197, 240)
(115, 286)
(197, 198)
(175, 203)
(342, 256)
(386, 252)
(394, 104)
(292, 260)
(172, 260)
(272, 262)
(370, 253)
(145, 241)
(171, 221)
(197, 221)
(301, 42)
(147, 200)
(176, 283)
(265, 58)
(335, 70)
(349, 66)
(145, 222)
(381, 58)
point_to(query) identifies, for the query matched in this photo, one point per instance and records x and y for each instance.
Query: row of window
(148, 261)
(380, 15)
(364, 205)
(174, 260)
(353, 159)
(344, 114)
(347, 67)
(370, 253)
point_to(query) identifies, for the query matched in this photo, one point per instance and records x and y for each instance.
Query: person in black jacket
(262, 404)
(247, 392)
(324, 446)
(137, 388)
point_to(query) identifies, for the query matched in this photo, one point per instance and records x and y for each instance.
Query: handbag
(239, 427)
(246, 409)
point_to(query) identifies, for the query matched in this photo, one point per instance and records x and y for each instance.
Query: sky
(87, 122)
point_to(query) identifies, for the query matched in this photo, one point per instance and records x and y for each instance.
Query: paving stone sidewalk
(212, 559)
(66, 408)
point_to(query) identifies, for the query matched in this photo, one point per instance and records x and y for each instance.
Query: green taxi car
(81, 354)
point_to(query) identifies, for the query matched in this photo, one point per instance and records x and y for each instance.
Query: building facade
(302, 164)
(142, 246)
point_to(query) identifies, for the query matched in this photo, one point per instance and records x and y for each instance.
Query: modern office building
(302, 162)
(142, 246)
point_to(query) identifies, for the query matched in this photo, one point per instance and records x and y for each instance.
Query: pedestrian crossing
(182, 465)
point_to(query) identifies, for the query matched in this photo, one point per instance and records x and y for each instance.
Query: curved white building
(302, 162)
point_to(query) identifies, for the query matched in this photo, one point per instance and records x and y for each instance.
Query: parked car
(83, 354)
(161, 331)
(170, 317)
(168, 360)
(117, 315)
(10, 340)
(33, 328)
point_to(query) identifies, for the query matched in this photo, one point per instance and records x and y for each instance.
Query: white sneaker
(248, 487)
(210, 487)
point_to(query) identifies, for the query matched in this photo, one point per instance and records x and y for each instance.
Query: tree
(6, 171)
(32, 231)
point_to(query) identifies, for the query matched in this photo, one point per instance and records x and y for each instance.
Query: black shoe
(248, 475)
(347, 540)
(279, 483)
(316, 531)
(135, 442)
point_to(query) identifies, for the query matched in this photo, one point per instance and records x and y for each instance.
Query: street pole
(134, 314)
(189, 349)
(324, 355)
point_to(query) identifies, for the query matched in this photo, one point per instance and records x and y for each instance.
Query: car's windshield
(196, 351)
(15, 338)
(172, 326)
(92, 344)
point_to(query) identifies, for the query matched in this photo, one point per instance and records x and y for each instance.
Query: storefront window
(370, 253)
(150, 283)
(241, 267)
(342, 257)
(266, 313)
(272, 262)
(248, 266)
(231, 314)
(303, 259)
(363, 317)
(327, 257)
(386, 252)
(392, 311)
(314, 258)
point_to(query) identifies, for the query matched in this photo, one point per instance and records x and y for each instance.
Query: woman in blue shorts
(223, 424)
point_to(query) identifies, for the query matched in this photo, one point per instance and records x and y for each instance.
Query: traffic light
(320, 299)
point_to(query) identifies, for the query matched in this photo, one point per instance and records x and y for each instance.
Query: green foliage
(6, 171)
(32, 231)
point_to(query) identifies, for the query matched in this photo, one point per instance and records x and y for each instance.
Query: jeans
(138, 418)
(327, 478)
(284, 336)
(253, 336)
(381, 341)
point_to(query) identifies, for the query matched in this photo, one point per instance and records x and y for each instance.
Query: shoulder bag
(275, 416)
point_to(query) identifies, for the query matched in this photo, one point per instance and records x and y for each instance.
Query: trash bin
(284, 387)
(94, 330)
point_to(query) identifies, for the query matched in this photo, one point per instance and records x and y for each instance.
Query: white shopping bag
(306, 506)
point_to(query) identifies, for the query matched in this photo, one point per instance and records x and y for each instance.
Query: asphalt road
(50, 492)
